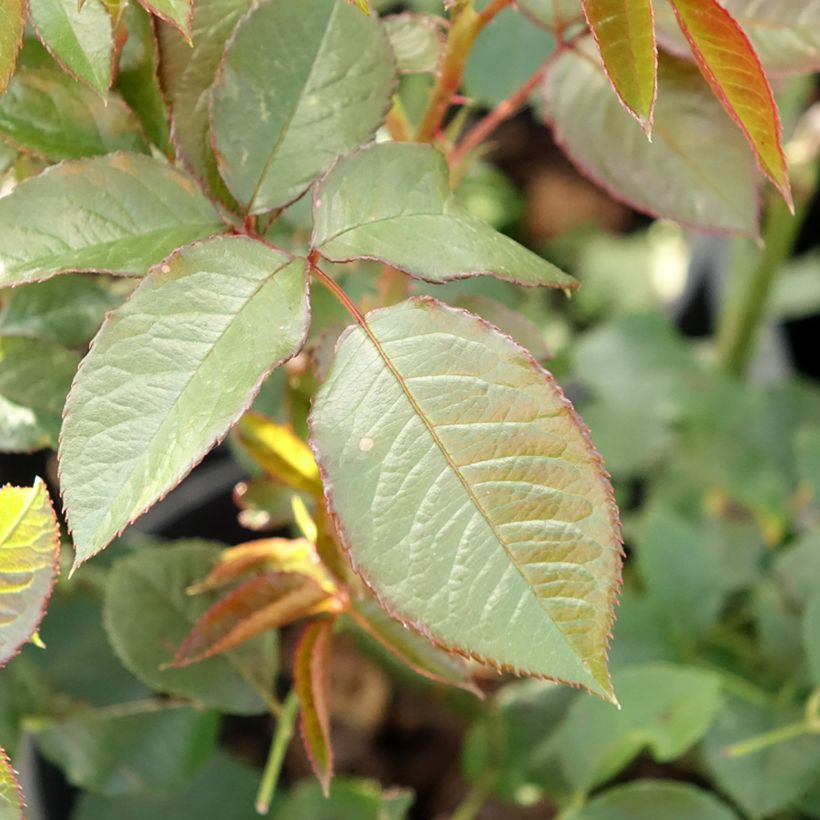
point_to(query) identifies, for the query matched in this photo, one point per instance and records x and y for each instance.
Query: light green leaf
(170, 372)
(67, 309)
(81, 40)
(131, 749)
(34, 379)
(480, 512)
(697, 170)
(811, 636)
(11, 796)
(187, 74)
(665, 708)
(300, 84)
(417, 41)
(392, 202)
(655, 800)
(29, 552)
(12, 26)
(46, 112)
(807, 449)
(554, 15)
(120, 213)
(767, 781)
(349, 799)
(176, 12)
(148, 614)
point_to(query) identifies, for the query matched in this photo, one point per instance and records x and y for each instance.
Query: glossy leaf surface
(12, 26)
(137, 418)
(392, 202)
(148, 613)
(480, 514)
(696, 170)
(300, 85)
(120, 213)
(11, 797)
(29, 551)
(311, 680)
(625, 34)
(733, 70)
(80, 39)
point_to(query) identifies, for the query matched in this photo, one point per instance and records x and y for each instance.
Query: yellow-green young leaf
(280, 452)
(29, 552)
(81, 40)
(376, 204)
(732, 68)
(361, 4)
(480, 512)
(12, 26)
(311, 680)
(179, 13)
(169, 373)
(267, 601)
(11, 796)
(625, 34)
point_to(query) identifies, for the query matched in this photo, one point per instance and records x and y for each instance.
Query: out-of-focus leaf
(265, 602)
(311, 681)
(480, 423)
(11, 795)
(132, 749)
(46, 112)
(732, 68)
(68, 309)
(797, 570)
(811, 636)
(280, 452)
(120, 213)
(264, 504)
(625, 35)
(807, 450)
(147, 615)
(767, 781)
(300, 85)
(412, 649)
(207, 303)
(81, 40)
(349, 799)
(178, 13)
(34, 378)
(13, 16)
(639, 637)
(554, 15)
(796, 292)
(417, 40)
(29, 553)
(664, 708)
(697, 169)
(379, 202)
(655, 800)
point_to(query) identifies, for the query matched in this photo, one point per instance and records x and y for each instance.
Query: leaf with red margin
(311, 680)
(29, 554)
(11, 795)
(179, 13)
(266, 602)
(12, 26)
(625, 34)
(732, 68)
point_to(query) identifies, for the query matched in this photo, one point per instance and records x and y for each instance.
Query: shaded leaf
(300, 85)
(178, 13)
(280, 452)
(696, 170)
(624, 32)
(392, 202)
(732, 68)
(131, 749)
(311, 681)
(811, 637)
(120, 213)
(480, 513)
(207, 303)
(46, 112)
(417, 41)
(665, 708)
(12, 27)
(34, 379)
(412, 649)
(29, 555)
(655, 800)
(264, 602)
(11, 795)
(81, 40)
(147, 614)
(349, 799)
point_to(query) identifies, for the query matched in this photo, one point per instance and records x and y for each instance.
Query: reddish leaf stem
(334, 288)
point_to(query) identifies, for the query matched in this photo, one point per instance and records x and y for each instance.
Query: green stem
(278, 747)
(767, 739)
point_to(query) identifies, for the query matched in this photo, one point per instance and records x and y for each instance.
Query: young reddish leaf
(12, 25)
(625, 33)
(265, 602)
(29, 552)
(11, 795)
(311, 667)
(280, 452)
(732, 68)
